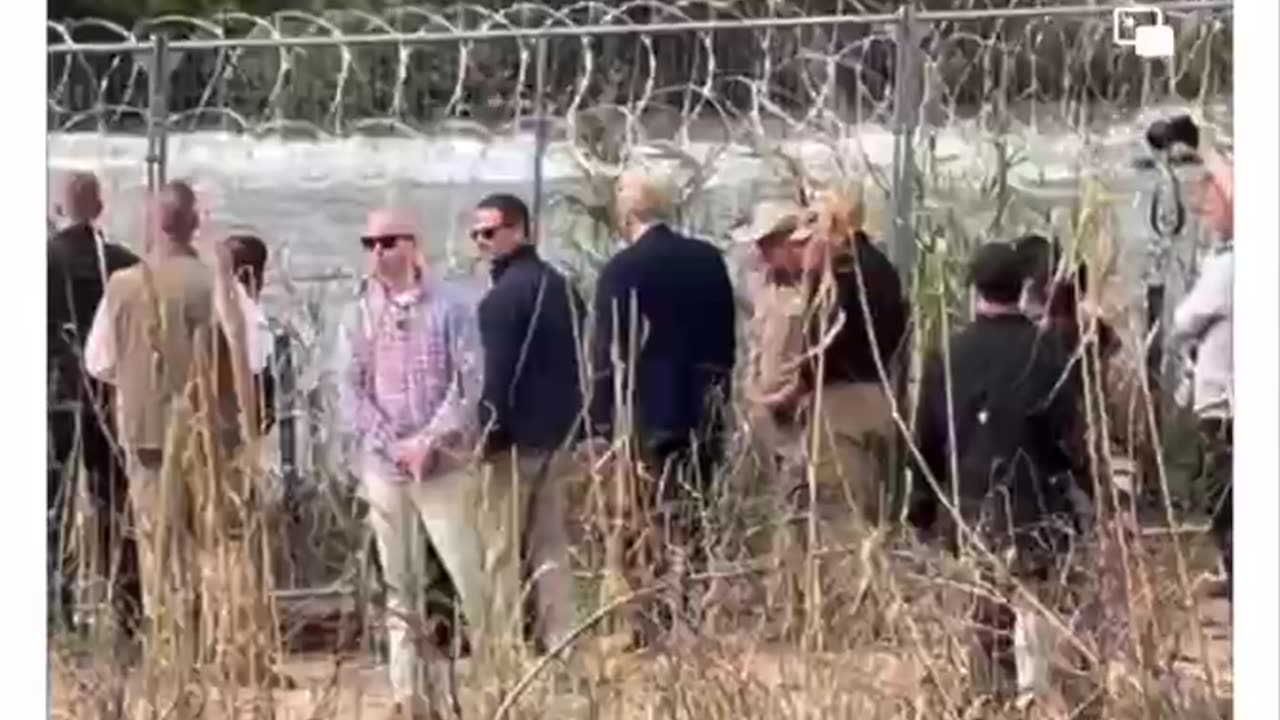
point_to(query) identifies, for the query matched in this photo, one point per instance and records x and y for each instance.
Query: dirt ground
(354, 686)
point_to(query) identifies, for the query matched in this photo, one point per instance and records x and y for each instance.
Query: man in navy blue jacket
(664, 336)
(531, 404)
(80, 407)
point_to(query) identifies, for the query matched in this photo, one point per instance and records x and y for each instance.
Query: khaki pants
(478, 520)
(851, 464)
(849, 472)
(400, 510)
(169, 570)
(532, 486)
(780, 448)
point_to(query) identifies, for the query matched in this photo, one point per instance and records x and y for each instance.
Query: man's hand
(784, 398)
(594, 452)
(414, 455)
(593, 446)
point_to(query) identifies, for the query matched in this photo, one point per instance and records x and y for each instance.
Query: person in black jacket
(80, 409)
(851, 346)
(531, 406)
(1054, 302)
(1012, 411)
(665, 334)
(249, 264)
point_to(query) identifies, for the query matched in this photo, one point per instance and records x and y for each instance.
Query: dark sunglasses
(487, 233)
(386, 242)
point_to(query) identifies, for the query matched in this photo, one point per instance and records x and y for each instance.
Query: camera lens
(1158, 135)
(1162, 134)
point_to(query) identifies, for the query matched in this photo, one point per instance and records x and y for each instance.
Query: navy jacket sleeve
(722, 335)
(503, 321)
(611, 318)
(930, 438)
(726, 332)
(119, 257)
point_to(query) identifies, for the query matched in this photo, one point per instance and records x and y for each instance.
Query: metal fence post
(539, 134)
(907, 85)
(907, 96)
(157, 112)
(286, 409)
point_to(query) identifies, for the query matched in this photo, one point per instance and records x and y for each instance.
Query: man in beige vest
(160, 336)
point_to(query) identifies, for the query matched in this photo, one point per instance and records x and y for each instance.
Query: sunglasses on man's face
(487, 233)
(386, 242)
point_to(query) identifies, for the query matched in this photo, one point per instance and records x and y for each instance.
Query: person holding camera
(1203, 321)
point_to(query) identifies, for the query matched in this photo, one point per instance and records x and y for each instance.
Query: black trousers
(675, 482)
(991, 658)
(1216, 477)
(86, 430)
(1042, 548)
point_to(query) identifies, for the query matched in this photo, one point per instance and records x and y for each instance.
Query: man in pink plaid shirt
(409, 392)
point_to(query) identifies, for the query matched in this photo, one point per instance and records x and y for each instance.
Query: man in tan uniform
(773, 390)
(776, 342)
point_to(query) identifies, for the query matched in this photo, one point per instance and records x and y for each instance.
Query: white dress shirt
(100, 346)
(1204, 319)
(258, 338)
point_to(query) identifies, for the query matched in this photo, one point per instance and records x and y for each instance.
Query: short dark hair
(249, 260)
(513, 210)
(1038, 256)
(997, 273)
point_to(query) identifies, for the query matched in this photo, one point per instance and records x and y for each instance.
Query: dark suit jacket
(685, 347)
(530, 324)
(1015, 423)
(851, 356)
(75, 287)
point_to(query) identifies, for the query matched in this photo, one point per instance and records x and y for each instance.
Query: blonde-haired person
(855, 321)
(665, 334)
(1203, 321)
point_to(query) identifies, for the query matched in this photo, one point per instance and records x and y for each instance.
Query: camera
(1163, 135)
(1176, 139)
(1174, 143)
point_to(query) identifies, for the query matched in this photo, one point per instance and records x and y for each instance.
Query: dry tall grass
(880, 631)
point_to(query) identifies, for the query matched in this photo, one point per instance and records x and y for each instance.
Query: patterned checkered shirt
(411, 369)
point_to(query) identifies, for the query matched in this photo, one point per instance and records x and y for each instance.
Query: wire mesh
(1012, 106)
(702, 98)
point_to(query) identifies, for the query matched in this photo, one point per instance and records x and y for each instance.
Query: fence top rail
(585, 31)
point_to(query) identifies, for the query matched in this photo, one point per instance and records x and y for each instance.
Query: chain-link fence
(971, 123)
